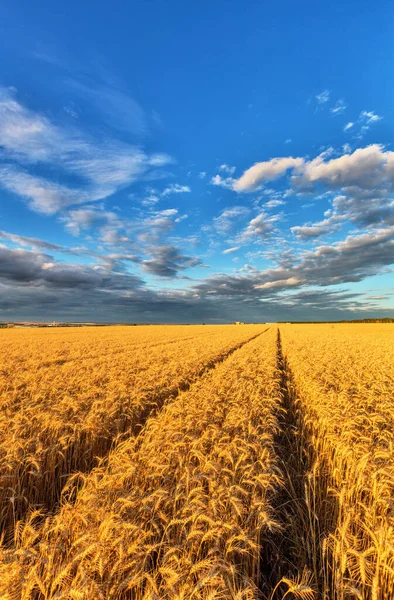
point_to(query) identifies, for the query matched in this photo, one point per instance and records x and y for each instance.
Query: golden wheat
(180, 511)
(343, 376)
(69, 394)
(202, 462)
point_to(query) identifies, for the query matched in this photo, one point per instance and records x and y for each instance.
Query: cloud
(84, 218)
(351, 260)
(227, 182)
(45, 197)
(339, 108)
(97, 168)
(288, 141)
(154, 227)
(269, 170)
(279, 283)
(33, 285)
(231, 250)
(168, 261)
(363, 123)
(224, 223)
(202, 175)
(365, 209)
(369, 117)
(315, 230)
(260, 227)
(175, 188)
(227, 169)
(150, 200)
(274, 203)
(30, 242)
(323, 97)
(116, 108)
(26, 267)
(363, 178)
(368, 168)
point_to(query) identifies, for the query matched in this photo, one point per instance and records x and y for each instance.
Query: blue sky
(196, 161)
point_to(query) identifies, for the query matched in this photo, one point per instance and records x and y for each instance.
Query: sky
(196, 162)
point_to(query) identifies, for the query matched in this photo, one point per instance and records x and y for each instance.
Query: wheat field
(247, 462)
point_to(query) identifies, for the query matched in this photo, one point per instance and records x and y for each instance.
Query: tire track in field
(296, 545)
(173, 393)
(83, 455)
(155, 402)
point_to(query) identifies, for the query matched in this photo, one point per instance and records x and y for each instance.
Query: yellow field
(202, 462)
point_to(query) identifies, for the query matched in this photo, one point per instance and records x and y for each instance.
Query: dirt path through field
(296, 545)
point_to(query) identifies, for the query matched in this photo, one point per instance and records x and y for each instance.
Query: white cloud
(168, 212)
(364, 177)
(98, 167)
(226, 220)
(339, 108)
(279, 283)
(226, 183)
(369, 117)
(368, 168)
(29, 242)
(44, 196)
(202, 175)
(116, 108)
(176, 188)
(312, 231)
(261, 172)
(288, 141)
(361, 126)
(227, 169)
(323, 97)
(274, 203)
(150, 200)
(259, 227)
(82, 219)
(231, 250)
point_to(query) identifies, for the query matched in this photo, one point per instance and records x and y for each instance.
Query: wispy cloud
(274, 203)
(226, 182)
(231, 250)
(227, 169)
(98, 169)
(116, 108)
(82, 219)
(365, 120)
(176, 188)
(323, 97)
(228, 218)
(260, 228)
(30, 242)
(339, 108)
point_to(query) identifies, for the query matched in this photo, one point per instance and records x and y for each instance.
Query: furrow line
(294, 561)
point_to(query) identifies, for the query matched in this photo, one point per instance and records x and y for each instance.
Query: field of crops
(245, 462)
